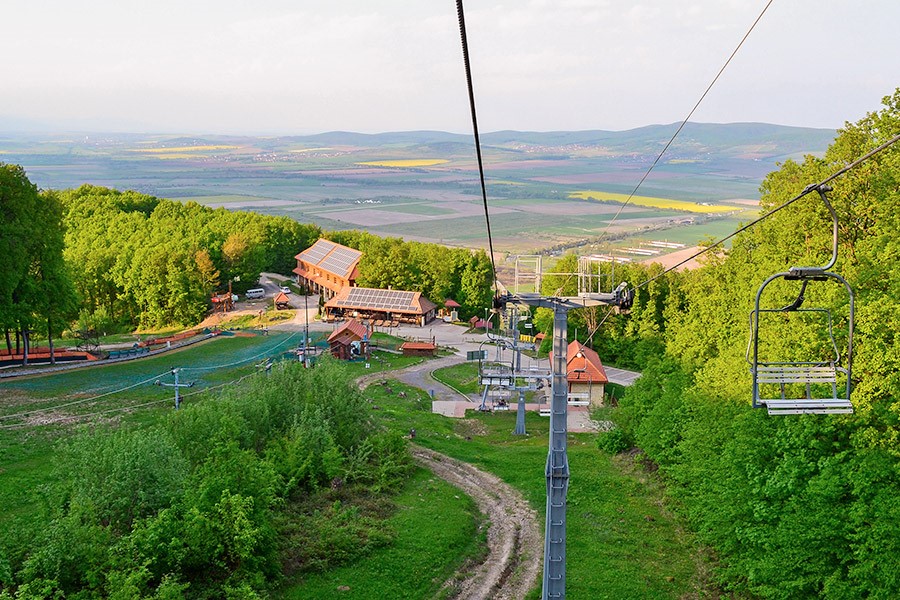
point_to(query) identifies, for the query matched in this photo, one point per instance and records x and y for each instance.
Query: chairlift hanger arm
(805, 273)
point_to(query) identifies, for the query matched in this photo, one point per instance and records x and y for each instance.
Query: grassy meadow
(623, 541)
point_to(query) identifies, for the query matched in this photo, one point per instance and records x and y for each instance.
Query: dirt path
(514, 539)
(419, 375)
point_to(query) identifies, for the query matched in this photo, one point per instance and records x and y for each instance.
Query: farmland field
(406, 162)
(543, 188)
(663, 203)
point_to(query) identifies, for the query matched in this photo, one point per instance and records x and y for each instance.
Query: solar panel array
(317, 251)
(379, 299)
(340, 260)
(332, 257)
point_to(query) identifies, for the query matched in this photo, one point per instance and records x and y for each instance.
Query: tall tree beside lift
(34, 285)
(56, 301)
(18, 209)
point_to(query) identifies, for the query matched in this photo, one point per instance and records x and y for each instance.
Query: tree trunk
(8, 341)
(50, 343)
(18, 333)
(25, 344)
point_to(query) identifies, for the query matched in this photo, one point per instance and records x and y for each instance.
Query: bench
(782, 375)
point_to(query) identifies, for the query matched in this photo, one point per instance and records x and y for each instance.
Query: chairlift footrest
(807, 406)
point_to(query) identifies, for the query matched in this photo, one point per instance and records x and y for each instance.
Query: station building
(585, 376)
(330, 269)
(327, 267)
(383, 308)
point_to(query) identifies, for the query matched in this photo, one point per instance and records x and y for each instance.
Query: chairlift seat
(579, 399)
(808, 407)
(796, 373)
(806, 374)
(501, 380)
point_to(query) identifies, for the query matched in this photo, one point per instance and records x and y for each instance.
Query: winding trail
(514, 539)
(419, 375)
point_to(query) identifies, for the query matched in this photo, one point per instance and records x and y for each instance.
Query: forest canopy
(112, 259)
(795, 506)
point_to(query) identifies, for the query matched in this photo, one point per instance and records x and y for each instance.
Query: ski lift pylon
(814, 374)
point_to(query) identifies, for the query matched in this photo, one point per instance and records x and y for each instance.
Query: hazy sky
(299, 66)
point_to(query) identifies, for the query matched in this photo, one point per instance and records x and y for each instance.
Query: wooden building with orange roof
(349, 341)
(382, 307)
(327, 267)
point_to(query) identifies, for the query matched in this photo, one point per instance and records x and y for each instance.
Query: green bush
(614, 441)
(201, 505)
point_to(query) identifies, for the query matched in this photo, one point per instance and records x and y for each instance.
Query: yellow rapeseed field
(405, 162)
(181, 149)
(176, 155)
(650, 202)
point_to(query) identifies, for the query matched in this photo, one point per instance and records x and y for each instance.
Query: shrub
(614, 441)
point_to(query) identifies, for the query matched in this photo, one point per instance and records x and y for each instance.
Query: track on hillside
(514, 539)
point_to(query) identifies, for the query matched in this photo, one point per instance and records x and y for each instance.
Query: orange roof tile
(583, 364)
(417, 346)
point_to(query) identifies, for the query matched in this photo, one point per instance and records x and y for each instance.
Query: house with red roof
(418, 348)
(282, 302)
(349, 341)
(450, 311)
(585, 375)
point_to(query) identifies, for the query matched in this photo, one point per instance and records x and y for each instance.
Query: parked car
(285, 289)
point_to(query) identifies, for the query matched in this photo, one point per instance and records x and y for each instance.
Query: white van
(256, 293)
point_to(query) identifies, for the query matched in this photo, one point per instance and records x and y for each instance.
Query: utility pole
(306, 323)
(177, 386)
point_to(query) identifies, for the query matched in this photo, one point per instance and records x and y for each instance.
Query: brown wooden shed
(418, 348)
(349, 341)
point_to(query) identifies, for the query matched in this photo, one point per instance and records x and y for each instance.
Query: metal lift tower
(557, 468)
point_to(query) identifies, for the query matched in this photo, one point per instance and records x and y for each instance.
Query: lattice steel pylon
(557, 466)
(528, 274)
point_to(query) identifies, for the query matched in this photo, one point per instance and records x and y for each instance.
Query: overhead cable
(245, 360)
(686, 119)
(810, 188)
(81, 401)
(487, 216)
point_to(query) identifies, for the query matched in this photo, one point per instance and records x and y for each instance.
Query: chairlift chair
(821, 373)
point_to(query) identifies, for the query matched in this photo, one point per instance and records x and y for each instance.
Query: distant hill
(424, 184)
(724, 139)
(697, 140)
